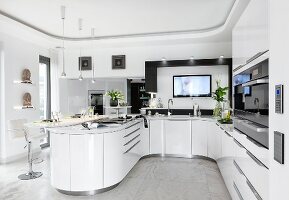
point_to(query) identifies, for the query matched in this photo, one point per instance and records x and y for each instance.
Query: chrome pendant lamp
(80, 67)
(62, 11)
(92, 36)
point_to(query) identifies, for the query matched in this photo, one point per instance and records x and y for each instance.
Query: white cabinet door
(60, 161)
(226, 163)
(156, 136)
(199, 138)
(86, 162)
(178, 137)
(115, 166)
(144, 141)
(214, 141)
(251, 33)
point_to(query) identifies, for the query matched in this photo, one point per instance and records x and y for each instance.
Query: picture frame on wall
(118, 62)
(85, 63)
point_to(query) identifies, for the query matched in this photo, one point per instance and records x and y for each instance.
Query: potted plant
(219, 96)
(115, 96)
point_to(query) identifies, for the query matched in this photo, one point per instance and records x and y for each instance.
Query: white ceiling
(120, 17)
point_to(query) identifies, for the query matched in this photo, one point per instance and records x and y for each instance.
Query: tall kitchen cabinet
(250, 35)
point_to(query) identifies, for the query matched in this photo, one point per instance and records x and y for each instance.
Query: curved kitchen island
(86, 162)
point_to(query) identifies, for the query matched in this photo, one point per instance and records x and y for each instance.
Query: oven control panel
(279, 99)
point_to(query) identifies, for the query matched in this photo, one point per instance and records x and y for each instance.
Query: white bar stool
(17, 129)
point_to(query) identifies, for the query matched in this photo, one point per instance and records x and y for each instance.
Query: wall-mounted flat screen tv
(192, 86)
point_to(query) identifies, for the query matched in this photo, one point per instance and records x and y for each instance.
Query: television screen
(192, 86)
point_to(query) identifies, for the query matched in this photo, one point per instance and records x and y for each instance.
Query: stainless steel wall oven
(251, 102)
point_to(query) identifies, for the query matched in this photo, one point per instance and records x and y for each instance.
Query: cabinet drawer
(254, 170)
(131, 132)
(131, 143)
(256, 149)
(242, 186)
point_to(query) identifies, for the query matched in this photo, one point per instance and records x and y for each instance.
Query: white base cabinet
(177, 135)
(156, 136)
(199, 137)
(214, 141)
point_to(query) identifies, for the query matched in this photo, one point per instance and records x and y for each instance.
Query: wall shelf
(23, 107)
(23, 82)
(117, 108)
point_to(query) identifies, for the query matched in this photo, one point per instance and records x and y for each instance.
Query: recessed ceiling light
(222, 56)
(192, 58)
(164, 59)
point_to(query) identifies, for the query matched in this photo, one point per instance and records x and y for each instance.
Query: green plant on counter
(219, 96)
(115, 95)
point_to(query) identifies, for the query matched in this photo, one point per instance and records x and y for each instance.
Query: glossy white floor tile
(150, 179)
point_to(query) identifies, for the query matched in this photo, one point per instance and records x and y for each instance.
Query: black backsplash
(180, 111)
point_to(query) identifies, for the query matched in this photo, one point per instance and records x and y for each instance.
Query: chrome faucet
(170, 101)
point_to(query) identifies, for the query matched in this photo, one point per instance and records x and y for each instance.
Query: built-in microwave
(251, 102)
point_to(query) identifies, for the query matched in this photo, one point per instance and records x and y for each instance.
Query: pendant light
(92, 62)
(80, 28)
(62, 10)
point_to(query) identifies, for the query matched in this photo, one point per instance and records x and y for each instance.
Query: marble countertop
(78, 129)
(67, 121)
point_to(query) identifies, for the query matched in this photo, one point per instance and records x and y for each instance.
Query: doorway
(44, 93)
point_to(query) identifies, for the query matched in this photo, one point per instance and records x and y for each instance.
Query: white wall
(73, 96)
(279, 62)
(165, 84)
(137, 55)
(18, 54)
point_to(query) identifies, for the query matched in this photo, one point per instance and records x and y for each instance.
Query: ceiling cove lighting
(62, 11)
(92, 62)
(79, 63)
(192, 58)
(164, 59)
(221, 56)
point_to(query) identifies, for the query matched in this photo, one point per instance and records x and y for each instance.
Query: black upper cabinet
(151, 79)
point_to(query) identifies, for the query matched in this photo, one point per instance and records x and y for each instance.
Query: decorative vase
(218, 110)
(113, 103)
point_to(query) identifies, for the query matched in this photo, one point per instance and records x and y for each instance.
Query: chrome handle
(238, 168)
(238, 143)
(237, 68)
(254, 128)
(131, 140)
(255, 159)
(254, 142)
(237, 191)
(131, 133)
(256, 82)
(257, 55)
(217, 124)
(239, 131)
(132, 147)
(228, 134)
(132, 125)
(253, 190)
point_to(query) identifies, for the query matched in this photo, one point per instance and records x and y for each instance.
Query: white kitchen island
(85, 162)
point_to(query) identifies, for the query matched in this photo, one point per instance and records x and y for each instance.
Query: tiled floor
(150, 179)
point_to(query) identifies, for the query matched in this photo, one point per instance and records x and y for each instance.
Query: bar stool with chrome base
(17, 129)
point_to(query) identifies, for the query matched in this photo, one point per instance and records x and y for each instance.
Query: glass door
(44, 93)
